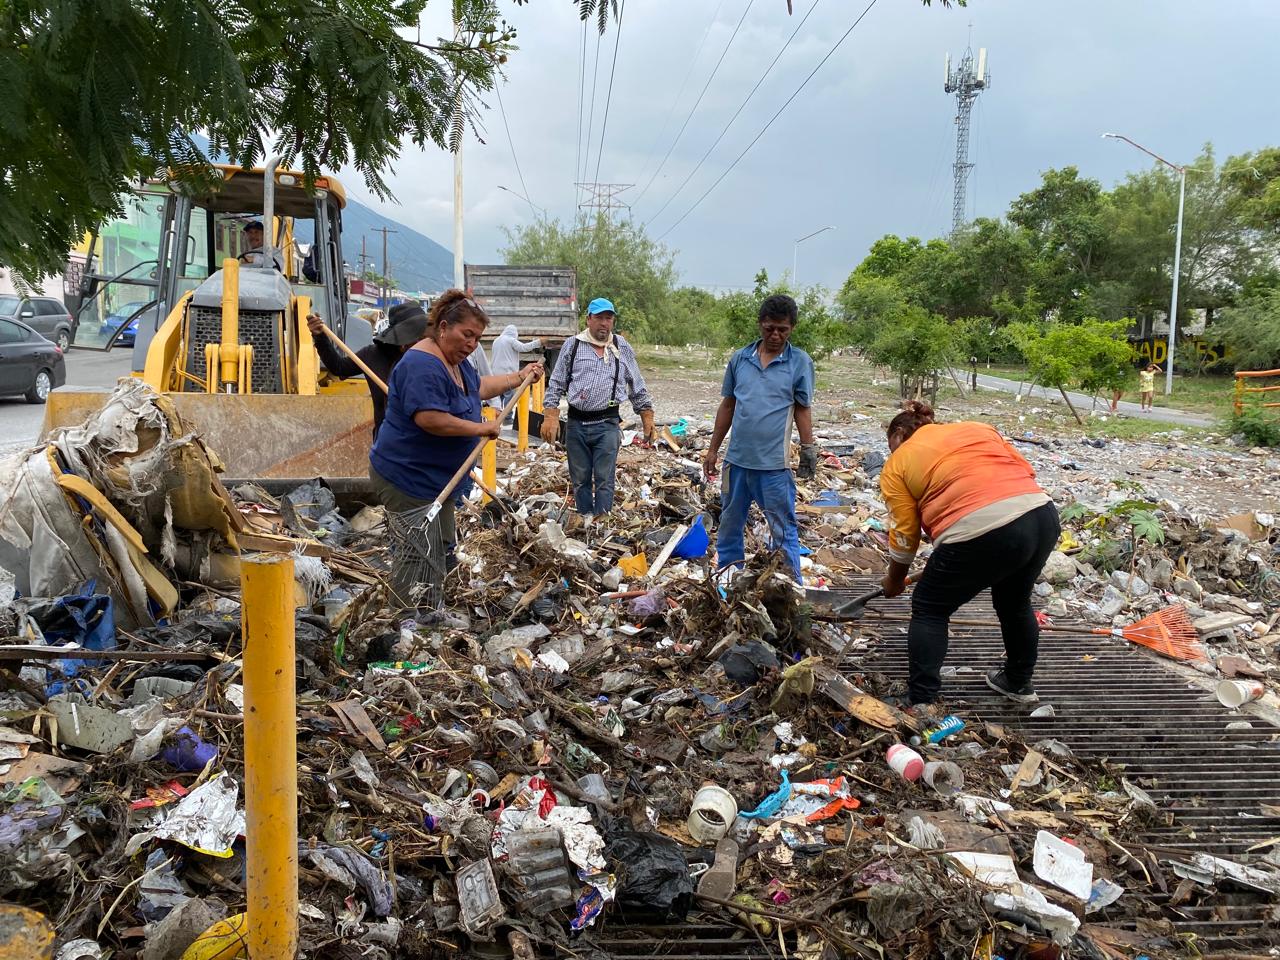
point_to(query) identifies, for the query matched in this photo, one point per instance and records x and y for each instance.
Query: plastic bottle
(538, 870)
(948, 726)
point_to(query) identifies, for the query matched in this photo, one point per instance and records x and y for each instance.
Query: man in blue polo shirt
(766, 386)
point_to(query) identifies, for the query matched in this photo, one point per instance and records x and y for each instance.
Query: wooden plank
(32, 652)
(667, 550)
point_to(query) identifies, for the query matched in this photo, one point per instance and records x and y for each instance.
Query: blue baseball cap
(600, 305)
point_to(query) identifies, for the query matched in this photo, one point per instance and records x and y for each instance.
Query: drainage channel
(1118, 702)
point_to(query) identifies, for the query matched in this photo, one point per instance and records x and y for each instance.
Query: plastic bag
(654, 875)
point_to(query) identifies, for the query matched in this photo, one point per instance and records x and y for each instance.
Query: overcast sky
(867, 145)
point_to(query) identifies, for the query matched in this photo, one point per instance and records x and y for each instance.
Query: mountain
(417, 263)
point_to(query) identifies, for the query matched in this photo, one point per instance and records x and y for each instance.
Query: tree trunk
(1070, 407)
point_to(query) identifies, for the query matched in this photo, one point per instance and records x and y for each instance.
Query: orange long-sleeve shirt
(944, 472)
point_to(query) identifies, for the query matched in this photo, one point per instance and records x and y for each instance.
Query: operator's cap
(406, 325)
(253, 225)
(600, 305)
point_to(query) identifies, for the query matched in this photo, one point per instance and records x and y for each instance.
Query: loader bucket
(259, 436)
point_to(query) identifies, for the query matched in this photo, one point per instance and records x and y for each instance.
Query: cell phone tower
(966, 80)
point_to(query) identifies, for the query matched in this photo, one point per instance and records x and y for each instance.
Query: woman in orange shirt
(976, 498)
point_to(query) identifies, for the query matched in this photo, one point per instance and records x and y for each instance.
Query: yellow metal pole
(489, 458)
(1239, 401)
(271, 756)
(522, 419)
(539, 391)
(229, 351)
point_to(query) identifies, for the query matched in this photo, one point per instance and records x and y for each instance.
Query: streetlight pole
(795, 253)
(1177, 252)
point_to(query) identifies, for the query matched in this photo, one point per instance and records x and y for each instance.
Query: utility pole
(364, 257)
(459, 264)
(386, 275)
(1181, 171)
(966, 81)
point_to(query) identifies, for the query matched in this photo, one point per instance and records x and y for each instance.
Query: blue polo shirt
(416, 462)
(765, 398)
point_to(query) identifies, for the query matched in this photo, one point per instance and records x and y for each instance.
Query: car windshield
(9, 306)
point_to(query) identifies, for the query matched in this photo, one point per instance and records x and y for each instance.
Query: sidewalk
(1084, 403)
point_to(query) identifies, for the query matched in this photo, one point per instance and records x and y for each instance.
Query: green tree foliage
(1092, 355)
(613, 258)
(1251, 331)
(914, 346)
(99, 94)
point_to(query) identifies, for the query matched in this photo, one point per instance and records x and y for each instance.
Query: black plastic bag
(654, 875)
(746, 663)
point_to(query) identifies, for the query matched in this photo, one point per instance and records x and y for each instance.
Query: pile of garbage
(598, 733)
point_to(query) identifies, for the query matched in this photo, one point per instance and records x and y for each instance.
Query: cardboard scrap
(863, 706)
(1030, 764)
(356, 720)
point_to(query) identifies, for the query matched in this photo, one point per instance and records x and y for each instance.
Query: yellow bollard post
(229, 348)
(539, 392)
(271, 756)
(522, 419)
(489, 458)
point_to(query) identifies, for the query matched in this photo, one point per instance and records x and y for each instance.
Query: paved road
(20, 421)
(1084, 403)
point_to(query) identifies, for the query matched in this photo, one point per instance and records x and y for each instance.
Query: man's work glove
(808, 461)
(646, 421)
(550, 425)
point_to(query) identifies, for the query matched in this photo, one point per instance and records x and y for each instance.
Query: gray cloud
(867, 145)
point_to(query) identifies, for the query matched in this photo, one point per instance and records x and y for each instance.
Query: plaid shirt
(592, 385)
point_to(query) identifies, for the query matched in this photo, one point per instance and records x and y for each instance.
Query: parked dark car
(129, 313)
(45, 315)
(29, 364)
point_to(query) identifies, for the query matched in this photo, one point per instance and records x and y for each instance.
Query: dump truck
(222, 330)
(541, 301)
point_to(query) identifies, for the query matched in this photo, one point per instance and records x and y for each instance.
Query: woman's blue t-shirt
(416, 462)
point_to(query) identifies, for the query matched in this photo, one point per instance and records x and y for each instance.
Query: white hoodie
(508, 348)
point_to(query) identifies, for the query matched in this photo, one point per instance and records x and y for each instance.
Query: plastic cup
(944, 776)
(1234, 694)
(905, 762)
(711, 814)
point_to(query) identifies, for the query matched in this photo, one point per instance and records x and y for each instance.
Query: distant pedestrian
(594, 371)
(976, 497)
(507, 351)
(1147, 384)
(767, 385)
(1116, 394)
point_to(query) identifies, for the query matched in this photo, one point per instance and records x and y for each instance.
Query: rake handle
(475, 454)
(369, 374)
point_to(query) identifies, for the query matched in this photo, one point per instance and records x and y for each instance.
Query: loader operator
(252, 254)
(407, 324)
(992, 526)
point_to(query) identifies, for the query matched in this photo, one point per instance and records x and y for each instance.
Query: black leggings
(1007, 559)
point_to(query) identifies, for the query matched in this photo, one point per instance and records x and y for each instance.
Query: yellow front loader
(225, 336)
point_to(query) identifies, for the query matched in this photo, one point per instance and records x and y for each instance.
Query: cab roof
(241, 192)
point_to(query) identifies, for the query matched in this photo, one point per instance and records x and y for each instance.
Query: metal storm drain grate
(1118, 702)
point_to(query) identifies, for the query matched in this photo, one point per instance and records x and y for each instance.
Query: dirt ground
(1203, 471)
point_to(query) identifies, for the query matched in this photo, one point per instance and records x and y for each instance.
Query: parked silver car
(45, 315)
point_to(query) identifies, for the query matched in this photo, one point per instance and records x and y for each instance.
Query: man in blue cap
(595, 370)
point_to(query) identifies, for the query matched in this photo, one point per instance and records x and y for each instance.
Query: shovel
(854, 609)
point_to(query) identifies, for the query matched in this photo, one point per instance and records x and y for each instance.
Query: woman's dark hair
(915, 414)
(453, 306)
(779, 307)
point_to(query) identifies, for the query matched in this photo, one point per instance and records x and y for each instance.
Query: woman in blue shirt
(433, 419)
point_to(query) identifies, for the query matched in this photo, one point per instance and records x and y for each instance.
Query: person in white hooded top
(507, 351)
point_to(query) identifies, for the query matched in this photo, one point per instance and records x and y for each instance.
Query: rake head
(1168, 632)
(420, 556)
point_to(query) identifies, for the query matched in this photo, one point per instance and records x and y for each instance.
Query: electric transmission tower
(966, 81)
(604, 196)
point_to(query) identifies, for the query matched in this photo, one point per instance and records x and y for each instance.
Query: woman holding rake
(433, 424)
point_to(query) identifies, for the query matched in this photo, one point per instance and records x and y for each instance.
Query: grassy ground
(847, 385)
(1209, 394)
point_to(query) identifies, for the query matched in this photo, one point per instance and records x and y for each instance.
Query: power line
(697, 54)
(765, 128)
(591, 114)
(741, 106)
(694, 109)
(582, 82)
(604, 126)
(497, 88)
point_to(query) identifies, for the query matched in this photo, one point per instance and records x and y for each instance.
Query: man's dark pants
(592, 448)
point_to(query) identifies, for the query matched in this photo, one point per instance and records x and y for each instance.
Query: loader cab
(175, 237)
